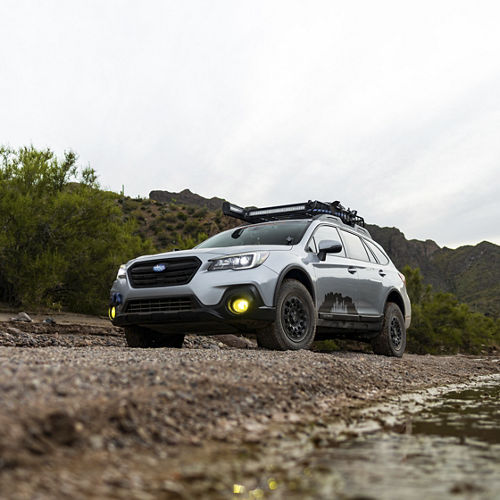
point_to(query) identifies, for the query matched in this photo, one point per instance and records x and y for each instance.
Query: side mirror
(328, 246)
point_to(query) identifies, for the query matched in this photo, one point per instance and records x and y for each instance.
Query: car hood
(209, 253)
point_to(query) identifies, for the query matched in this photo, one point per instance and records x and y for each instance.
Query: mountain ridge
(471, 272)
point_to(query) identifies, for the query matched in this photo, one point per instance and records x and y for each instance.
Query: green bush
(62, 238)
(168, 218)
(200, 213)
(192, 227)
(441, 324)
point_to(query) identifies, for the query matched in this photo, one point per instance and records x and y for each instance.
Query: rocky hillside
(186, 197)
(472, 273)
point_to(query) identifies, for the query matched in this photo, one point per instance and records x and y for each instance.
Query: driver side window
(325, 233)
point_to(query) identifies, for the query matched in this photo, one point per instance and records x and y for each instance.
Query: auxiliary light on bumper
(239, 305)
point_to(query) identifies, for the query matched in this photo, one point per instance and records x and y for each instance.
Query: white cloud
(390, 107)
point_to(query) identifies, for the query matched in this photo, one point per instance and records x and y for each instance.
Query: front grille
(169, 272)
(172, 304)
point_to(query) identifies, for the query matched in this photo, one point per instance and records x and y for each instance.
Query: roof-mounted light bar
(236, 208)
(294, 211)
(278, 210)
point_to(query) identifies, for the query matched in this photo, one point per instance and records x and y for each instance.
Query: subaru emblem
(159, 268)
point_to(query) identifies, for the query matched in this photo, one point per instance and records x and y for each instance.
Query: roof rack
(295, 211)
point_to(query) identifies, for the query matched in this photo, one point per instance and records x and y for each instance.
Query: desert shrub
(62, 238)
(192, 227)
(168, 218)
(200, 213)
(441, 324)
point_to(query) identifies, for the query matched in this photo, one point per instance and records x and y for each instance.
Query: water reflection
(474, 413)
(449, 450)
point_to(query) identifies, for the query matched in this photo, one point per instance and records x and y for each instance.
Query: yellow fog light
(239, 306)
(112, 312)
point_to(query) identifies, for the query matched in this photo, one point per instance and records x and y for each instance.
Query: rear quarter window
(381, 256)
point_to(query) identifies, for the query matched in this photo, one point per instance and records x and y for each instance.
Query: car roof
(320, 218)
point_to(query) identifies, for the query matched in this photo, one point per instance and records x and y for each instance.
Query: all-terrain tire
(295, 324)
(138, 336)
(391, 341)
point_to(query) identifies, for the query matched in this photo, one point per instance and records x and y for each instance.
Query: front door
(336, 281)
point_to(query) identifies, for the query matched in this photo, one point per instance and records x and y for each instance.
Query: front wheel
(138, 336)
(295, 324)
(391, 341)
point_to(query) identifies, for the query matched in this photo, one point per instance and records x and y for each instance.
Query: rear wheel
(391, 341)
(138, 336)
(295, 324)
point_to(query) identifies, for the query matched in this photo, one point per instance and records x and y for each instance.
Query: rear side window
(354, 246)
(381, 256)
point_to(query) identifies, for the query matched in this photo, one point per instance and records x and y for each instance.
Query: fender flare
(399, 301)
(294, 267)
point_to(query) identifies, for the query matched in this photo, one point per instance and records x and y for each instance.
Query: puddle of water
(470, 414)
(449, 448)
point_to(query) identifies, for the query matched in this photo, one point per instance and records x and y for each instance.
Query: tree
(441, 324)
(62, 238)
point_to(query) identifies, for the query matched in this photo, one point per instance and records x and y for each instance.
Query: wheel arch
(395, 297)
(295, 273)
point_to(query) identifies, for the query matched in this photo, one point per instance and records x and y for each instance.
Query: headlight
(236, 262)
(122, 272)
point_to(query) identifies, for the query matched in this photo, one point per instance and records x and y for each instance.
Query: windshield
(271, 233)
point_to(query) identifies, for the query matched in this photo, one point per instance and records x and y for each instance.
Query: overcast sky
(391, 107)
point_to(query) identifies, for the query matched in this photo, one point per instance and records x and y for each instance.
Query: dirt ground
(83, 416)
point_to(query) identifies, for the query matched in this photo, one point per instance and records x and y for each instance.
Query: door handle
(381, 272)
(352, 269)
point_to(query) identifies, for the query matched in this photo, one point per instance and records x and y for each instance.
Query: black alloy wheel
(295, 318)
(391, 340)
(396, 332)
(295, 324)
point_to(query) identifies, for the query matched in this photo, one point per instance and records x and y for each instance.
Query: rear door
(370, 277)
(382, 274)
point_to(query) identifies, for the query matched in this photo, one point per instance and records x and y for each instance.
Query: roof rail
(294, 211)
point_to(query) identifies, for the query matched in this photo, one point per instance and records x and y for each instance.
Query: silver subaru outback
(292, 274)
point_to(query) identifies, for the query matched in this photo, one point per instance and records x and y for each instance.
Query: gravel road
(81, 414)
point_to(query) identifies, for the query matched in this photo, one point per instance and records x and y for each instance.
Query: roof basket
(295, 211)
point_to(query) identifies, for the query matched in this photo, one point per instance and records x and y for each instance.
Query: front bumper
(197, 318)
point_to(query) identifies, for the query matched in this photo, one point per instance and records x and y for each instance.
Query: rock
(15, 331)
(61, 428)
(235, 341)
(49, 321)
(22, 316)
(96, 442)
